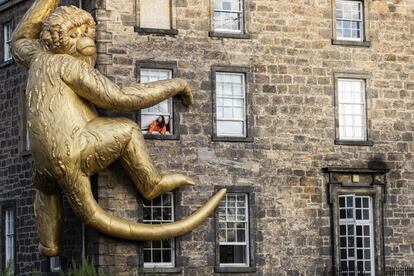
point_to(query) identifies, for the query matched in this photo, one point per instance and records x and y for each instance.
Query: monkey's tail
(86, 207)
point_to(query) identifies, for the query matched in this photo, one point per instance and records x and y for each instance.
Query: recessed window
(7, 31)
(157, 211)
(233, 231)
(228, 16)
(349, 20)
(230, 104)
(9, 238)
(356, 238)
(351, 109)
(157, 119)
(156, 16)
(55, 265)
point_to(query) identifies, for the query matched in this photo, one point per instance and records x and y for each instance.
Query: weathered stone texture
(291, 94)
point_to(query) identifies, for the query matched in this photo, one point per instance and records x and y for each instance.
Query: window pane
(228, 15)
(155, 14)
(159, 210)
(164, 108)
(232, 254)
(230, 128)
(351, 109)
(233, 234)
(356, 245)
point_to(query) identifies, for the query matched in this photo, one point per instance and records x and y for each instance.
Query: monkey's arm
(90, 84)
(25, 36)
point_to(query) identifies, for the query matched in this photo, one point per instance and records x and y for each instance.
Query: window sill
(161, 137)
(156, 31)
(229, 269)
(215, 138)
(6, 63)
(229, 35)
(161, 270)
(351, 43)
(354, 143)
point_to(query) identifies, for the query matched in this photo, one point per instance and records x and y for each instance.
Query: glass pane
(232, 254)
(156, 255)
(241, 235)
(147, 256)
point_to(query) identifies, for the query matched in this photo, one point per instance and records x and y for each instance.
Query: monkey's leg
(49, 218)
(106, 139)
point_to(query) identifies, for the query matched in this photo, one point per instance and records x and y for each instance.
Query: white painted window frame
(341, 113)
(243, 98)
(353, 221)
(361, 20)
(239, 12)
(172, 240)
(9, 237)
(246, 243)
(147, 111)
(7, 32)
(55, 264)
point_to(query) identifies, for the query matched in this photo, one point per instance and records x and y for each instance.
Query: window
(233, 230)
(9, 238)
(228, 16)
(162, 110)
(159, 253)
(156, 16)
(349, 20)
(55, 265)
(7, 31)
(356, 234)
(230, 104)
(351, 110)
(356, 196)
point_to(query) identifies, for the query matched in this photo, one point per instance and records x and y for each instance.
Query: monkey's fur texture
(69, 142)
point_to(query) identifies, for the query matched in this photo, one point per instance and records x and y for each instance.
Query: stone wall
(292, 116)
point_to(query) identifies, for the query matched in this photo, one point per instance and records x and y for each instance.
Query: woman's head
(161, 120)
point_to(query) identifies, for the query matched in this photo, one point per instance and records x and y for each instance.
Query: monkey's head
(70, 30)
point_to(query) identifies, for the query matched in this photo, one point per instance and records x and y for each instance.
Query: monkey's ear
(46, 37)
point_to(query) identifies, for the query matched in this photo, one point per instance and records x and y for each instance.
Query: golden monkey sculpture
(70, 142)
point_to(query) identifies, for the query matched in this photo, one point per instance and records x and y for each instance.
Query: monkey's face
(81, 40)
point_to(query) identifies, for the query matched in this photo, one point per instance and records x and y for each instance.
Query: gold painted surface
(69, 142)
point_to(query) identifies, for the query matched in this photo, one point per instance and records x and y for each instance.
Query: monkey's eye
(86, 30)
(73, 35)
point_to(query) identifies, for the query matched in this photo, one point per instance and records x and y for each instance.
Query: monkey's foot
(49, 251)
(168, 183)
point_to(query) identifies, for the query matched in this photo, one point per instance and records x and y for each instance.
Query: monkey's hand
(187, 95)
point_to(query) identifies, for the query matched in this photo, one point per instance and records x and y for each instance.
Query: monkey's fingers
(187, 96)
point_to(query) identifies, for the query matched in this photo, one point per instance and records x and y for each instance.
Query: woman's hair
(162, 123)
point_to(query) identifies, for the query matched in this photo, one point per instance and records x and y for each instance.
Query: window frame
(51, 263)
(173, 21)
(358, 77)
(10, 204)
(24, 140)
(247, 99)
(364, 41)
(178, 214)
(251, 246)
(356, 223)
(176, 101)
(6, 42)
(373, 185)
(171, 264)
(221, 33)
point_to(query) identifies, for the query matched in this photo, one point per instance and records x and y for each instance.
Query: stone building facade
(305, 176)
